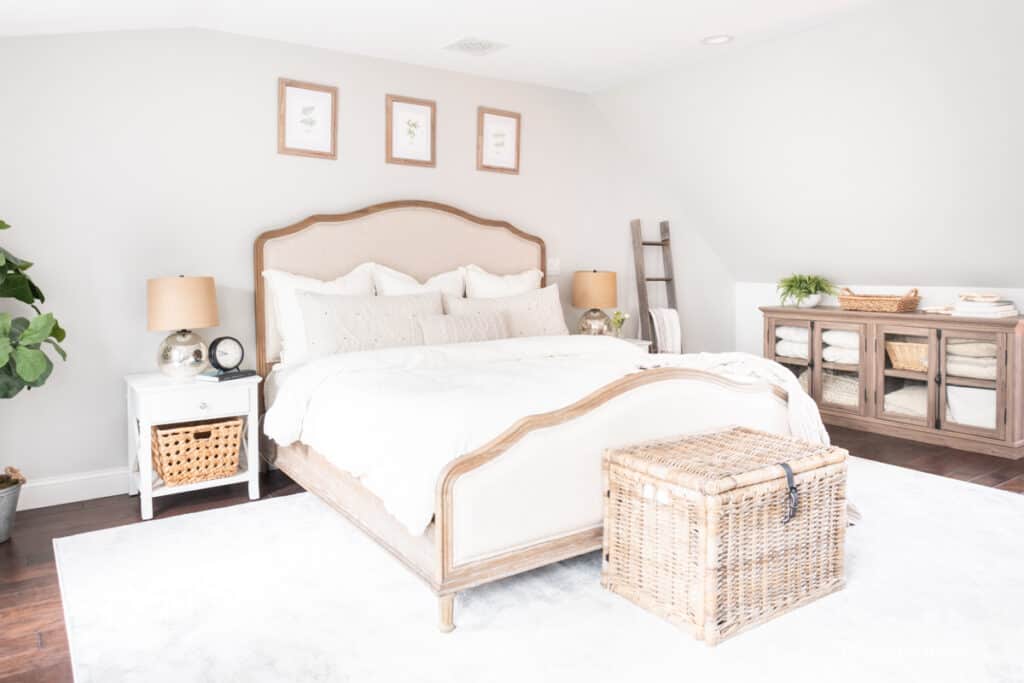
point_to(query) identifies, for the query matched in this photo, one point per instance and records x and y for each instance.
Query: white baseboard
(71, 488)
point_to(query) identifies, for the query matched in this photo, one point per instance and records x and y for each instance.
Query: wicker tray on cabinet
(695, 527)
(197, 451)
(879, 303)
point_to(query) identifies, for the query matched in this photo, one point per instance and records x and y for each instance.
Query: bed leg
(446, 603)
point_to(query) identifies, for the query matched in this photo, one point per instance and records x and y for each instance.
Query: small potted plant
(618, 320)
(804, 291)
(10, 486)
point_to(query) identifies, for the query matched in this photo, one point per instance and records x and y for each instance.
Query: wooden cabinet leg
(446, 603)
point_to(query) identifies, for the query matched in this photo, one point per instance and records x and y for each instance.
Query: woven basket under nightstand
(694, 530)
(197, 451)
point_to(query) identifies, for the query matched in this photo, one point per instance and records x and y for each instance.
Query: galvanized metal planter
(8, 504)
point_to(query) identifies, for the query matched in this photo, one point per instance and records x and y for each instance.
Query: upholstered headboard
(416, 237)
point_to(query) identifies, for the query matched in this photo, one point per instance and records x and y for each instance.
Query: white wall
(132, 155)
(884, 146)
(751, 295)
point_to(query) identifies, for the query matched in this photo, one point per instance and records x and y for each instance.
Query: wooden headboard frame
(447, 221)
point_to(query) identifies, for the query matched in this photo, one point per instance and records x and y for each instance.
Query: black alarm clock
(226, 354)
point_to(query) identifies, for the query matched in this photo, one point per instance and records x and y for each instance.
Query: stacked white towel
(841, 346)
(984, 306)
(793, 342)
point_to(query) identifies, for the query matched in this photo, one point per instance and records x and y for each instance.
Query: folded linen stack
(841, 346)
(792, 342)
(969, 358)
(984, 306)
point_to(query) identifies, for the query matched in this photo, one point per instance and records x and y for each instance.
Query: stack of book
(984, 306)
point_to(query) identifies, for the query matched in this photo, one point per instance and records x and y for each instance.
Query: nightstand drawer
(198, 402)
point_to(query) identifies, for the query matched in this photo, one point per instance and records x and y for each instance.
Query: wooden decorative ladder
(665, 244)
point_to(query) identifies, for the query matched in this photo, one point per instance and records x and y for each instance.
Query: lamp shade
(594, 289)
(181, 303)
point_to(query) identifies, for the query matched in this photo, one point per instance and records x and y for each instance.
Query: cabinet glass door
(789, 343)
(838, 366)
(971, 393)
(906, 366)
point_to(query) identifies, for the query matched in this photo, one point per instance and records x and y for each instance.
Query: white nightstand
(154, 399)
(642, 343)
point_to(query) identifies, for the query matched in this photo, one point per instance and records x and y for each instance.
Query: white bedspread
(396, 417)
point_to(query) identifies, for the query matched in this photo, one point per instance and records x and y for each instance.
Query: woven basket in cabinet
(197, 451)
(702, 529)
(908, 355)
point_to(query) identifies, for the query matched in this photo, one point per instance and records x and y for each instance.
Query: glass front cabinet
(949, 381)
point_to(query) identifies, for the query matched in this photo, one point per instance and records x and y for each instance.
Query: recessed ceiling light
(721, 39)
(478, 47)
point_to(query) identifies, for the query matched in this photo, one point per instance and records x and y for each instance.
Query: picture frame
(410, 136)
(307, 119)
(498, 137)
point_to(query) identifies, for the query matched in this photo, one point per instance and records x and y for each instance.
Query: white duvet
(395, 418)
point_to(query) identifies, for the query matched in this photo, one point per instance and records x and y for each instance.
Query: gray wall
(883, 147)
(132, 155)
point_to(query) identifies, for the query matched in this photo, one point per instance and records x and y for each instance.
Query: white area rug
(286, 590)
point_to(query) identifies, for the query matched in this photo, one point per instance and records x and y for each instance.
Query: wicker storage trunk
(696, 528)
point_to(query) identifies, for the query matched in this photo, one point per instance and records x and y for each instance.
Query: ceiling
(580, 45)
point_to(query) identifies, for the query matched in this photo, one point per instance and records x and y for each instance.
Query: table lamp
(181, 304)
(594, 290)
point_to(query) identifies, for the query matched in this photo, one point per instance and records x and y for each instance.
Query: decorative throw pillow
(483, 285)
(458, 329)
(532, 314)
(282, 293)
(391, 282)
(336, 324)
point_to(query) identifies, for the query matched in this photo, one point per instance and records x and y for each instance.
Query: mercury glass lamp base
(182, 355)
(595, 321)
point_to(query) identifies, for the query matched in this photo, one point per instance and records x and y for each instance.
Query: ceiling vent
(478, 47)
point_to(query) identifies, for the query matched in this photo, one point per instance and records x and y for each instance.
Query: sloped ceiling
(886, 147)
(581, 45)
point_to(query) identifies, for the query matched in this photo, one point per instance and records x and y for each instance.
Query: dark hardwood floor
(33, 644)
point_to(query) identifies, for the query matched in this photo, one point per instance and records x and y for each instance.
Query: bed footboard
(533, 495)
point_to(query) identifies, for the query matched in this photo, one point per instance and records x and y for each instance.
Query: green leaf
(5, 325)
(38, 330)
(16, 286)
(16, 263)
(18, 325)
(60, 352)
(58, 332)
(4, 226)
(5, 350)
(30, 364)
(45, 375)
(10, 383)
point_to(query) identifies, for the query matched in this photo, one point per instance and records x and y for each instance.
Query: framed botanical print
(497, 140)
(410, 136)
(307, 119)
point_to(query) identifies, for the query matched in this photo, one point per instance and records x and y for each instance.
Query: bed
(530, 493)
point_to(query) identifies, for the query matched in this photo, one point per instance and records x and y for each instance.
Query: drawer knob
(203, 405)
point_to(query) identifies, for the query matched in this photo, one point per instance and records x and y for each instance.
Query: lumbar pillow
(458, 329)
(532, 314)
(391, 282)
(283, 290)
(483, 285)
(337, 323)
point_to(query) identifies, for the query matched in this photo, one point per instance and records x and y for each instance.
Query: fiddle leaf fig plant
(23, 363)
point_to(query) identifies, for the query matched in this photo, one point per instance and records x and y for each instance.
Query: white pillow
(483, 285)
(337, 323)
(282, 291)
(532, 314)
(458, 329)
(391, 282)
